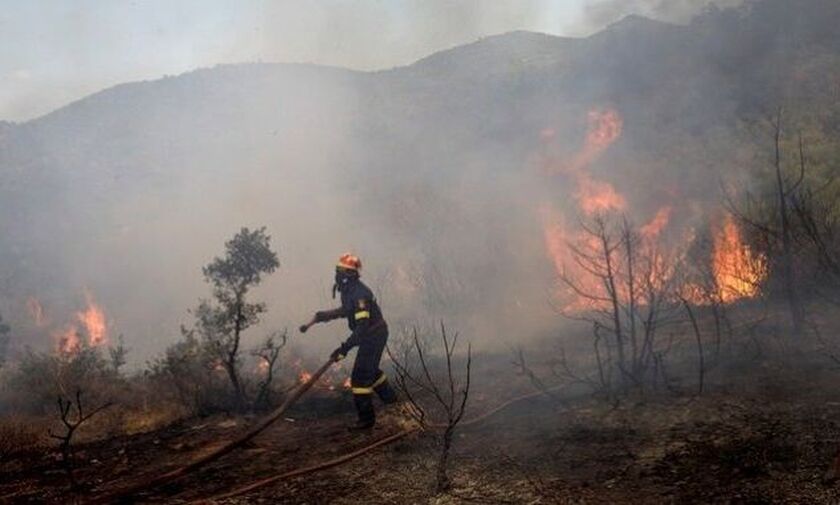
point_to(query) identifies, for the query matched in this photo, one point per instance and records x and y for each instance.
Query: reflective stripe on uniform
(369, 390)
(362, 314)
(381, 380)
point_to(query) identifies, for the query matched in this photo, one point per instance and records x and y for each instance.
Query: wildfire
(593, 196)
(331, 380)
(93, 319)
(67, 339)
(557, 243)
(738, 271)
(653, 229)
(604, 127)
(597, 196)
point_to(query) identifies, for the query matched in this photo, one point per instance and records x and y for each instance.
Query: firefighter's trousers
(367, 378)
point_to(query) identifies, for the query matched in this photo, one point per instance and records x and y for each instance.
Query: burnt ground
(766, 440)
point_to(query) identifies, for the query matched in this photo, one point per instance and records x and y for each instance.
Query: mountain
(429, 170)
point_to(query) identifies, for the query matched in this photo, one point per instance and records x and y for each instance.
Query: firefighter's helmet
(346, 271)
(349, 262)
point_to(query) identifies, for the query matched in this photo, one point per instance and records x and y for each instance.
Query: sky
(53, 52)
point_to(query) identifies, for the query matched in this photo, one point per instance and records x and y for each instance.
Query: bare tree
(627, 286)
(439, 395)
(779, 231)
(701, 369)
(268, 353)
(817, 210)
(70, 426)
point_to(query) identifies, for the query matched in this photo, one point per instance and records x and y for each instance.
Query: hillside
(128, 191)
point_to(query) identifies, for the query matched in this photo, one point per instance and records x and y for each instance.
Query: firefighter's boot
(364, 407)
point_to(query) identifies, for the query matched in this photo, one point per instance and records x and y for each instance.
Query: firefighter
(369, 333)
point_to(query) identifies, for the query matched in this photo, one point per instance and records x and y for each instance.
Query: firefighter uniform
(369, 334)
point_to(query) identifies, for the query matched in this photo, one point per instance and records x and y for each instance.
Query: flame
(36, 311)
(604, 127)
(597, 196)
(304, 376)
(738, 271)
(93, 320)
(67, 339)
(557, 245)
(331, 380)
(653, 229)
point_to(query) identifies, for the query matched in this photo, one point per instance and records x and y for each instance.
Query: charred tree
(785, 191)
(268, 353)
(435, 393)
(779, 233)
(65, 439)
(628, 289)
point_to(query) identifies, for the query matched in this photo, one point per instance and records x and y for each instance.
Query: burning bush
(188, 375)
(40, 377)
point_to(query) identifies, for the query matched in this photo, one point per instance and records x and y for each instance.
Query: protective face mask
(340, 280)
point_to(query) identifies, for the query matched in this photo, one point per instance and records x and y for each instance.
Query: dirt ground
(767, 440)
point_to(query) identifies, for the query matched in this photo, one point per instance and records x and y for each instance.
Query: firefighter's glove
(303, 328)
(338, 354)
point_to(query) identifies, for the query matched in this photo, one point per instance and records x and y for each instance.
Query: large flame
(604, 128)
(90, 322)
(93, 320)
(738, 271)
(558, 244)
(593, 196)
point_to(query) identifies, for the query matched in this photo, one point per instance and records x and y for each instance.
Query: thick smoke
(601, 13)
(436, 174)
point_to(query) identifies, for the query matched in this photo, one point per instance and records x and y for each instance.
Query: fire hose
(364, 450)
(217, 453)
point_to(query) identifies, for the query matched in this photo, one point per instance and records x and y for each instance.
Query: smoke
(434, 174)
(600, 13)
(374, 34)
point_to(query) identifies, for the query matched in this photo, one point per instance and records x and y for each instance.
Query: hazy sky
(55, 51)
